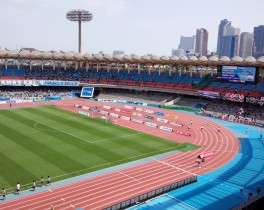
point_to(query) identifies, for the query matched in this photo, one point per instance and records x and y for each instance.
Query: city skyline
(139, 27)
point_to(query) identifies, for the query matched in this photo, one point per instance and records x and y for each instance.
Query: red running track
(106, 190)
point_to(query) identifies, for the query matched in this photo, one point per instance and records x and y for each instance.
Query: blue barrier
(154, 105)
(4, 99)
(49, 98)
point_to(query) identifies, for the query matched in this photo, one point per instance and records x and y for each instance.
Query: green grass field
(46, 141)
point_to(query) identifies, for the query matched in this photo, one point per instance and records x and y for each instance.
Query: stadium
(99, 131)
(115, 132)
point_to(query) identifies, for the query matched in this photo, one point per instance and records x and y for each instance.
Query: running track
(106, 190)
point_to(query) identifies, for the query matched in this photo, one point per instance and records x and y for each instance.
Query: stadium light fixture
(79, 16)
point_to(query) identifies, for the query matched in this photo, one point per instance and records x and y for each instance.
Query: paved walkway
(220, 189)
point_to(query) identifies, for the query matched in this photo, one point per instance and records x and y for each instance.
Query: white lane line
(173, 166)
(129, 176)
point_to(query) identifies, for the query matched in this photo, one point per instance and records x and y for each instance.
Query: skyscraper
(231, 42)
(118, 52)
(246, 44)
(231, 31)
(201, 41)
(258, 41)
(178, 52)
(228, 46)
(221, 31)
(187, 44)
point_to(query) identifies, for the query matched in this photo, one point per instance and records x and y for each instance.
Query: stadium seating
(215, 84)
(249, 87)
(7, 72)
(236, 86)
(260, 87)
(143, 78)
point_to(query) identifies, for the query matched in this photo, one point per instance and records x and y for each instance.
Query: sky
(134, 26)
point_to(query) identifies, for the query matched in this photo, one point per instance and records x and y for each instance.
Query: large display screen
(87, 92)
(238, 74)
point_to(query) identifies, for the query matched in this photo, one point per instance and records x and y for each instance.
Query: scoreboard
(87, 92)
(241, 74)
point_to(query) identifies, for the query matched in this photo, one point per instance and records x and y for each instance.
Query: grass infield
(47, 141)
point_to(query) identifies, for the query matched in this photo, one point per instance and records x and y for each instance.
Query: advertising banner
(137, 121)
(125, 118)
(151, 124)
(166, 128)
(149, 117)
(183, 133)
(103, 112)
(176, 123)
(137, 114)
(162, 120)
(128, 107)
(83, 113)
(159, 113)
(209, 94)
(107, 107)
(114, 115)
(172, 116)
(85, 107)
(59, 83)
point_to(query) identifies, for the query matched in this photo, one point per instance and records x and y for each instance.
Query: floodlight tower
(79, 16)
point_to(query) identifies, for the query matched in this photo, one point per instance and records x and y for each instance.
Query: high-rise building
(118, 52)
(221, 31)
(231, 31)
(246, 44)
(228, 46)
(227, 30)
(258, 41)
(187, 43)
(201, 41)
(177, 52)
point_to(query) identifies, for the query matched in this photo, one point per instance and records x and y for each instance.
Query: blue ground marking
(220, 189)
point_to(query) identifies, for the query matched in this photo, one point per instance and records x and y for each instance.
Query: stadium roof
(131, 59)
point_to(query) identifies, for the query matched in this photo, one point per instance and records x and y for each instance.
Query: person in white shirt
(33, 185)
(3, 193)
(18, 188)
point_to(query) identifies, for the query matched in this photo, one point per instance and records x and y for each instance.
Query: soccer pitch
(47, 141)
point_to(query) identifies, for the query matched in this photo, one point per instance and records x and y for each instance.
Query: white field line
(106, 139)
(91, 142)
(73, 118)
(35, 125)
(56, 129)
(113, 138)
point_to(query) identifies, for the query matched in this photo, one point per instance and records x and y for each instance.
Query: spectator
(258, 189)
(250, 195)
